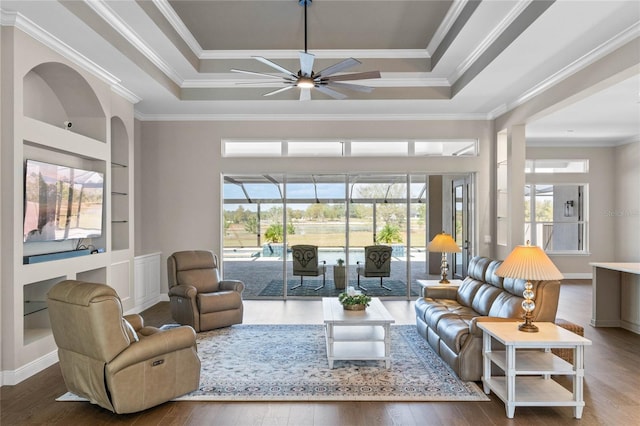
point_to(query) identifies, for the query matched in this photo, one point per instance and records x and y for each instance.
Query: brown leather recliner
(116, 362)
(197, 295)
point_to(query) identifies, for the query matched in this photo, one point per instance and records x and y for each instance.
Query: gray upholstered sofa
(446, 315)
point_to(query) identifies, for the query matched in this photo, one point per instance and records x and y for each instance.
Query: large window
(555, 217)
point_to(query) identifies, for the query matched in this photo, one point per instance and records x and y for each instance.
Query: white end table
(527, 380)
(357, 335)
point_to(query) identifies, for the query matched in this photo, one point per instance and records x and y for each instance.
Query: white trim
(105, 12)
(33, 30)
(395, 80)
(450, 18)
(489, 39)
(174, 20)
(579, 143)
(309, 117)
(594, 55)
(10, 378)
(319, 54)
(577, 275)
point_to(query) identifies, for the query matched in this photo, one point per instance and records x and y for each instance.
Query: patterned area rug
(274, 288)
(289, 363)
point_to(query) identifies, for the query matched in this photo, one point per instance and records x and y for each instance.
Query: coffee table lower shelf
(349, 343)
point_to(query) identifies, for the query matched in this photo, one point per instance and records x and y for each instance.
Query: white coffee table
(357, 335)
(527, 373)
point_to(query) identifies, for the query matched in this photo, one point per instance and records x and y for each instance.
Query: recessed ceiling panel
(267, 25)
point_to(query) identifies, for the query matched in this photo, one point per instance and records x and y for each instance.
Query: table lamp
(529, 263)
(444, 244)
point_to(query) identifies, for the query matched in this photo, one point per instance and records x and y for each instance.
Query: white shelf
(533, 362)
(358, 334)
(533, 391)
(358, 351)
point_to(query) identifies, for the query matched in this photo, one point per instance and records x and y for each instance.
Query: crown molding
(33, 30)
(450, 18)
(309, 117)
(387, 80)
(584, 61)
(489, 40)
(319, 54)
(102, 9)
(174, 20)
(550, 142)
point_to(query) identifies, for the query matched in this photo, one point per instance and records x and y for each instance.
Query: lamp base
(444, 280)
(528, 327)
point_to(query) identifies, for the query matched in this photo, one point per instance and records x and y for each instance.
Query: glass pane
(315, 149)
(446, 148)
(560, 166)
(377, 148)
(252, 148)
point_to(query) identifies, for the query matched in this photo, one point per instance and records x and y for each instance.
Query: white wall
(603, 179)
(181, 165)
(625, 213)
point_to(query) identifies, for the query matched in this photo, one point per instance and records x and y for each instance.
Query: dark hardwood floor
(611, 386)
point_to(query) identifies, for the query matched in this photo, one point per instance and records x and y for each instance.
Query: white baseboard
(10, 378)
(578, 275)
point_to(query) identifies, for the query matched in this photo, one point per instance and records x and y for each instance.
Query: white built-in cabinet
(147, 280)
(45, 95)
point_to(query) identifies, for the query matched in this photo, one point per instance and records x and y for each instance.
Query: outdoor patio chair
(377, 263)
(306, 264)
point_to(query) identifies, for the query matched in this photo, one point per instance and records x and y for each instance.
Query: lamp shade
(529, 263)
(443, 243)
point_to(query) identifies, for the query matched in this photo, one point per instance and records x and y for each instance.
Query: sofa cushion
(453, 331)
(477, 267)
(506, 305)
(485, 295)
(490, 276)
(467, 291)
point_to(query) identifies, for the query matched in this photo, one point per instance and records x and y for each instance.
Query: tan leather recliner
(116, 362)
(197, 295)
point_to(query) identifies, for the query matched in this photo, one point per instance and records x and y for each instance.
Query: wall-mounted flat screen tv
(61, 202)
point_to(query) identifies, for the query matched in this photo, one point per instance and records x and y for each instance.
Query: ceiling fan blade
(305, 94)
(340, 66)
(348, 86)
(306, 63)
(355, 76)
(275, 66)
(330, 92)
(279, 90)
(261, 74)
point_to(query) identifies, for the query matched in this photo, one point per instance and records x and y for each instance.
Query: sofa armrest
(233, 285)
(185, 291)
(476, 331)
(153, 346)
(440, 292)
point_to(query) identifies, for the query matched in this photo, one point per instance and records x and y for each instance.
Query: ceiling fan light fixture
(305, 83)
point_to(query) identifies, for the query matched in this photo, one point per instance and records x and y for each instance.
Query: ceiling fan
(305, 79)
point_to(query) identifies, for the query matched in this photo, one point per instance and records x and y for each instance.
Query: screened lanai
(266, 215)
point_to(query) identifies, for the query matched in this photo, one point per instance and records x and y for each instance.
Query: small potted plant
(354, 300)
(339, 274)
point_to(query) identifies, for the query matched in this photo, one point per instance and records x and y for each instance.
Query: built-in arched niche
(119, 185)
(57, 94)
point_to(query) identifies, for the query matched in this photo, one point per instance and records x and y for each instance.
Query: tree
(389, 234)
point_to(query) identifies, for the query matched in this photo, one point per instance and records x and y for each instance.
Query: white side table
(527, 379)
(436, 283)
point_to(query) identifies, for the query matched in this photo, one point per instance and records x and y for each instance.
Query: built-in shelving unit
(87, 127)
